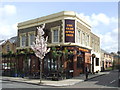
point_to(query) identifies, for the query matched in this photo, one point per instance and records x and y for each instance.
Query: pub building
(69, 38)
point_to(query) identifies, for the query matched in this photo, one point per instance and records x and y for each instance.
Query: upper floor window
(97, 61)
(8, 48)
(55, 34)
(23, 40)
(83, 38)
(78, 36)
(31, 38)
(93, 44)
(87, 40)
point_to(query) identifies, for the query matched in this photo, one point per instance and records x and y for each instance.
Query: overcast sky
(103, 17)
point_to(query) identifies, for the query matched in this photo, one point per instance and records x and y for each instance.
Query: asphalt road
(106, 81)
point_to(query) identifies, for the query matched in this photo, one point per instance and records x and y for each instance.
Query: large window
(87, 40)
(97, 61)
(31, 38)
(93, 47)
(23, 40)
(78, 36)
(83, 38)
(80, 62)
(55, 35)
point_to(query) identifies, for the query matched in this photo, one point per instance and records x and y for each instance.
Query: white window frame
(78, 36)
(23, 34)
(83, 38)
(29, 33)
(88, 40)
(56, 28)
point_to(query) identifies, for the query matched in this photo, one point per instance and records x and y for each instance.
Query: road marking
(113, 81)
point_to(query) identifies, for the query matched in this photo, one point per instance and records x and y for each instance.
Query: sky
(102, 16)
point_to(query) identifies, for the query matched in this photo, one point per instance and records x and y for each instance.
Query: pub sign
(70, 30)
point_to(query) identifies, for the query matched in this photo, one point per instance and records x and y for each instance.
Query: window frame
(29, 34)
(97, 62)
(79, 36)
(21, 35)
(52, 30)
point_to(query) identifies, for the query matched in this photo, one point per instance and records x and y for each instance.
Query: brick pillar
(75, 63)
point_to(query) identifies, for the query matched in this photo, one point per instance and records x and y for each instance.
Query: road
(106, 81)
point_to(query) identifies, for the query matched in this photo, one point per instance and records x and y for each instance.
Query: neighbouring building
(116, 60)
(66, 32)
(1, 42)
(9, 56)
(95, 53)
(106, 60)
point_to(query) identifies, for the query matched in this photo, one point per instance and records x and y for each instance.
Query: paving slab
(66, 82)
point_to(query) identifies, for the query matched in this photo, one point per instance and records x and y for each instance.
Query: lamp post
(93, 56)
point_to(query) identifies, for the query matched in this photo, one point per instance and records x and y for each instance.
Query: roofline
(55, 15)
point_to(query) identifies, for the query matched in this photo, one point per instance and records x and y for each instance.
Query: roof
(13, 39)
(2, 41)
(43, 19)
(104, 51)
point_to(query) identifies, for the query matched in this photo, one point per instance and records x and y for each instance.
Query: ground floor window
(80, 62)
(97, 61)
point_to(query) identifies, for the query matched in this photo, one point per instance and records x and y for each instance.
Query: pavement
(66, 82)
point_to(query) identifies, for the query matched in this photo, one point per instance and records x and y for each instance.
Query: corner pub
(68, 35)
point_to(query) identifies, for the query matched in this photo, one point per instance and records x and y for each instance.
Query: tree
(40, 47)
(56, 54)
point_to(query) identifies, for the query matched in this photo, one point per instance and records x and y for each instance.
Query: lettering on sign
(84, 50)
(69, 30)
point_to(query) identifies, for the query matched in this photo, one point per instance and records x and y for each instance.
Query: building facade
(9, 60)
(66, 32)
(106, 60)
(95, 52)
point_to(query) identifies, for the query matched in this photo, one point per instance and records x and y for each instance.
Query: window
(23, 40)
(31, 38)
(83, 38)
(78, 36)
(80, 62)
(87, 40)
(97, 61)
(8, 48)
(55, 34)
(93, 44)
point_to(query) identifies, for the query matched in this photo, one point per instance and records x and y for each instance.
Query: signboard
(84, 50)
(70, 30)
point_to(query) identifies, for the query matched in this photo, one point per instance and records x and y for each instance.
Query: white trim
(56, 28)
(53, 17)
(84, 24)
(79, 36)
(63, 30)
(75, 31)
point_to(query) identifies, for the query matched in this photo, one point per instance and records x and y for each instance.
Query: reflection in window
(23, 41)
(32, 39)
